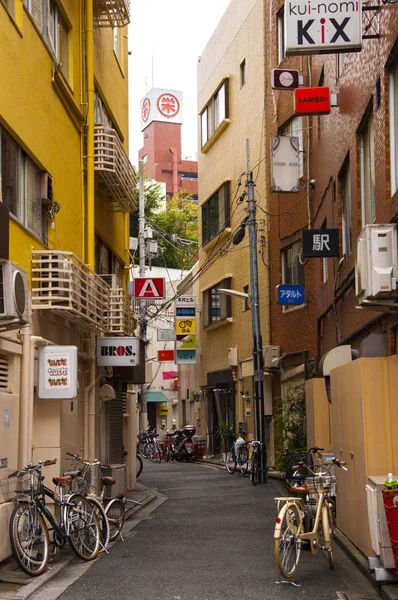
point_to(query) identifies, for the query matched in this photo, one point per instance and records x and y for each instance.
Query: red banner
(166, 355)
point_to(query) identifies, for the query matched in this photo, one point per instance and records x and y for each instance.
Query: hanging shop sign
(312, 101)
(186, 357)
(187, 342)
(57, 373)
(166, 355)
(319, 27)
(185, 326)
(163, 410)
(285, 79)
(186, 301)
(320, 243)
(148, 287)
(285, 164)
(165, 335)
(117, 352)
(290, 294)
(185, 311)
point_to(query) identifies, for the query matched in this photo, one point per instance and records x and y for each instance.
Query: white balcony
(112, 13)
(65, 285)
(121, 318)
(114, 172)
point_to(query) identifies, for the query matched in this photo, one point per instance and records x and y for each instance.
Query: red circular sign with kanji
(146, 107)
(168, 105)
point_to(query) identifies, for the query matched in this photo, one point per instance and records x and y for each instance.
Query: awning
(156, 397)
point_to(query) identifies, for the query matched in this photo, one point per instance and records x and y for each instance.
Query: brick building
(161, 122)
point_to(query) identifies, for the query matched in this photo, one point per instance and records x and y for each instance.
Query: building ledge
(214, 137)
(219, 324)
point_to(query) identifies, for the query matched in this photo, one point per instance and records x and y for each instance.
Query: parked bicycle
(143, 438)
(238, 454)
(307, 519)
(29, 533)
(255, 461)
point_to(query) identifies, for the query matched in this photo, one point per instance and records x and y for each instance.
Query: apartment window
(242, 69)
(101, 115)
(393, 109)
(292, 268)
(58, 34)
(324, 263)
(216, 305)
(37, 11)
(345, 203)
(215, 113)
(294, 128)
(10, 6)
(215, 214)
(281, 34)
(367, 164)
(117, 43)
(21, 182)
(247, 304)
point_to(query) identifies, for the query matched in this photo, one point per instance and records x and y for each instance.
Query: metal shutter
(115, 426)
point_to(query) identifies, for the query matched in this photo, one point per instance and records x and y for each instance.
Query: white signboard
(322, 27)
(285, 164)
(118, 352)
(57, 373)
(186, 301)
(161, 105)
(165, 335)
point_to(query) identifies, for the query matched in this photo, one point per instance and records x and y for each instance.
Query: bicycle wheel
(29, 539)
(141, 448)
(115, 513)
(287, 541)
(83, 527)
(230, 463)
(254, 468)
(243, 460)
(150, 452)
(103, 523)
(325, 534)
(139, 466)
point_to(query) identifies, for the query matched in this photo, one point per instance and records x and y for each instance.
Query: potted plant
(223, 431)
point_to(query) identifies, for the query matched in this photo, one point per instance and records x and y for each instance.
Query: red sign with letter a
(149, 287)
(312, 101)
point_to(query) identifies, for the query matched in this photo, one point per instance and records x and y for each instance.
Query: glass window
(345, 203)
(368, 193)
(292, 268)
(10, 156)
(215, 214)
(393, 110)
(242, 69)
(58, 37)
(215, 112)
(217, 306)
(10, 6)
(281, 35)
(117, 43)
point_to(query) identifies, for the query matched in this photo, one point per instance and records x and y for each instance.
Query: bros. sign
(322, 27)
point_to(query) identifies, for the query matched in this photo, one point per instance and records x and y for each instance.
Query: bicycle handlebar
(334, 461)
(31, 467)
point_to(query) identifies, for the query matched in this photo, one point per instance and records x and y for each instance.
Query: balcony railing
(121, 318)
(112, 13)
(63, 284)
(114, 172)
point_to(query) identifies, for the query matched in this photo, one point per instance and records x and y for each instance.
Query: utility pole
(256, 329)
(142, 317)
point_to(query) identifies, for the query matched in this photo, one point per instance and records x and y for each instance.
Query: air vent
(4, 369)
(14, 293)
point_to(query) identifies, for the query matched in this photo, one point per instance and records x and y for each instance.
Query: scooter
(183, 448)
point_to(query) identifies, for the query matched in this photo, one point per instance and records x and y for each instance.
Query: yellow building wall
(239, 36)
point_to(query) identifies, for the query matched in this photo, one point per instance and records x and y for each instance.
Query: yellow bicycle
(306, 519)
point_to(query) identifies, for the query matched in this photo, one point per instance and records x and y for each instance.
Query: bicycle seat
(108, 480)
(299, 489)
(62, 480)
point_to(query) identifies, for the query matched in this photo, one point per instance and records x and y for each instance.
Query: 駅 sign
(320, 243)
(322, 27)
(149, 287)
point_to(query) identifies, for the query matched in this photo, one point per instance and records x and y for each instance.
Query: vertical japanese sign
(185, 324)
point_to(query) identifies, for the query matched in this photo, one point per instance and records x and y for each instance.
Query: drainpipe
(131, 445)
(23, 455)
(89, 407)
(90, 219)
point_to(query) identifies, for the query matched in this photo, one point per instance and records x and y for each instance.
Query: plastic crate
(200, 447)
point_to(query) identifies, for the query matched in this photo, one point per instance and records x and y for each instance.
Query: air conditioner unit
(14, 293)
(112, 280)
(376, 267)
(271, 355)
(233, 357)
(118, 472)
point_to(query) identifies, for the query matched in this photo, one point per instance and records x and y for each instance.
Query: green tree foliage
(175, 228)
(290, 422)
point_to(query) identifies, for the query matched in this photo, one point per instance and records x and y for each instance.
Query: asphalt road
(212, 539)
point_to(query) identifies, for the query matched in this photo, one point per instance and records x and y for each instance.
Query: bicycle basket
(8, 489)
(293, 458)
(28, 484)
(316, 484)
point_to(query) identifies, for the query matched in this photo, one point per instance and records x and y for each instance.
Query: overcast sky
(165, 39)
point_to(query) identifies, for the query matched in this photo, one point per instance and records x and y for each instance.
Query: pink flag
(168, 375)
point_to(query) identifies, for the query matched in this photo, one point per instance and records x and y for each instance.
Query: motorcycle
(183, 448)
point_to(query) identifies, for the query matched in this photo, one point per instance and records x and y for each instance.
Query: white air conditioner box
(14, 293)
(271, 355)
(376, 267)
(233, 357)
(118, 472)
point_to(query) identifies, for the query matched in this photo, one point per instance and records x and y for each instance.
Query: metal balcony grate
(114, 172)
(121, 318)
(62, 283)
(112, 13)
